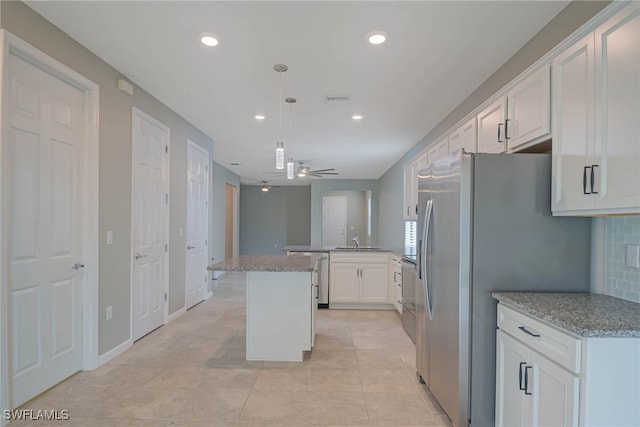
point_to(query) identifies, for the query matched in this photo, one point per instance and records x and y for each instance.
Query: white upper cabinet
(596, 126)
(520, 117)
(573, 126)
(529, 104)
(464, 136)
(491, 137)
(410, 211)
(616, 165)
(439, 149)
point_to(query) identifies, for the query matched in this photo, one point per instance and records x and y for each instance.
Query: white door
(44, 224)
(573, 131)
(464, 137)
(554, 392)
(374, 283)
(491, 138)
(615, 170)
(150, 211)
(334, 221)
(439, 150)
(529, 109)
(197, 223)
(511, 402)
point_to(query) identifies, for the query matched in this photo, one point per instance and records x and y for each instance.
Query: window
(410, 231)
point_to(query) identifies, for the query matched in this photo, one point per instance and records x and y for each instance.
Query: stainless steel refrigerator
(485, 224)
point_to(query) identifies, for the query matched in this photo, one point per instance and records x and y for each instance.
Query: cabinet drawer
(360, 257)
(558, 346)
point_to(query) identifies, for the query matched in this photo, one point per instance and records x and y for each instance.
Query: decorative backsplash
(621, 281)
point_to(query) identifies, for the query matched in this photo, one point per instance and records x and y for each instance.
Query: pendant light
(280, 68)
(290, 171)
(290, 164)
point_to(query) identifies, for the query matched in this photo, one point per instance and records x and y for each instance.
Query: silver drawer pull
(526, 331)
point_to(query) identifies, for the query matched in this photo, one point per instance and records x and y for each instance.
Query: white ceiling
(436, 54)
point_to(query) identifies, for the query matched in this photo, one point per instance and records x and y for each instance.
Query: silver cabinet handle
(77, 266)
(189, 247)
(138, 256)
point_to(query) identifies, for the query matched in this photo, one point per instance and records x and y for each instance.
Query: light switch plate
(109, 237)
(633, 256)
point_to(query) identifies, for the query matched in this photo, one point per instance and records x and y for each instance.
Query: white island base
(281, 309)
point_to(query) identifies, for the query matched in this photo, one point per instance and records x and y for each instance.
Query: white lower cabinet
(395, 283)
(531, 389)
(546, 376)
(359, 278)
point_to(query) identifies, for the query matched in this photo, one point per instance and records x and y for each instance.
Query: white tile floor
(193, 372)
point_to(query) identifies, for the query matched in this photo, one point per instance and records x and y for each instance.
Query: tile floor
(193, 372)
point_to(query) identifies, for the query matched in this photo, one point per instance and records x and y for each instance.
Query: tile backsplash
(621, 281)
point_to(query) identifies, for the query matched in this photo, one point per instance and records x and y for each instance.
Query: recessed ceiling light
(377, 37)
(259, 117)
(357, 117)
(209, 40)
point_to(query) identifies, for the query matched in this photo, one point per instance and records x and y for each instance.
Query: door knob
(189, 247)
(138, 256)
(77, 266)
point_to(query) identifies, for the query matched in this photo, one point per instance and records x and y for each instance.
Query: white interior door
(150, 210)
(197, 223)
(334, 221)
(44, 224)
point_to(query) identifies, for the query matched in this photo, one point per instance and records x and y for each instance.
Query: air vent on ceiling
(337, 99)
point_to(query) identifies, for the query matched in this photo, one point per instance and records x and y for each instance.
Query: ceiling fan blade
(328, 173)
(274, 173)
(323, 170)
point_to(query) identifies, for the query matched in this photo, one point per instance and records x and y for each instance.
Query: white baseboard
(175, 315)
(117, 350)
(209, 295)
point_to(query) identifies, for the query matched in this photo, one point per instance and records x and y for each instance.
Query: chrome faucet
(356, 239)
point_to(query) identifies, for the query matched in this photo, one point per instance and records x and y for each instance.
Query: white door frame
(186, 254)
(139, 113)
(10, 44)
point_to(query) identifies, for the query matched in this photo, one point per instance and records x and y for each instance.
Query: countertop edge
(571, 327)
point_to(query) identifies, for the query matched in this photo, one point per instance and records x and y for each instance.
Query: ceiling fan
(303, 171)
(266, 187)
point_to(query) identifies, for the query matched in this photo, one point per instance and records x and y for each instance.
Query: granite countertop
(309, 248)
(586, 315)
(275, 263)
(334, 249)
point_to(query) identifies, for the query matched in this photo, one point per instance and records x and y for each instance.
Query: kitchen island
(281, 304)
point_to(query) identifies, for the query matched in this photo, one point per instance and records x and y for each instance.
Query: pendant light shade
(280, 68)
(290, 172)
(279, 155)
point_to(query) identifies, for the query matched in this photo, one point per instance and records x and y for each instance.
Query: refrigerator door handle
(423, 258)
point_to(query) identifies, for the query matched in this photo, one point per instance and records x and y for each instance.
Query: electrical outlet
(109, 312)
(633, 256)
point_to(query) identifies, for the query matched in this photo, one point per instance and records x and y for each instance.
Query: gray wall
(115, 169)
(274, 219)
(320, 188)
(391, 183)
